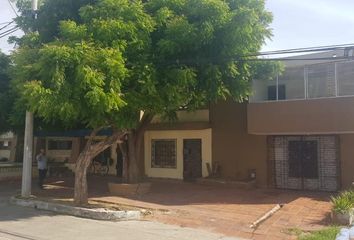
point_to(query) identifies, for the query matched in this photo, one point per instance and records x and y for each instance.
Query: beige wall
(316, 116)
(10, 171)
(177, 172)
(9, 153)
(59, 155)
(5, 154)
(185, 116)
(237, 151)
(347, 159)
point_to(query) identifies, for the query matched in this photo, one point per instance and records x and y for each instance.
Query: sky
(309, 23)
(6, 15)
(296, 23)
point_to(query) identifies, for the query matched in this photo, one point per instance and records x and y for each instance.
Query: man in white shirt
(42, 167)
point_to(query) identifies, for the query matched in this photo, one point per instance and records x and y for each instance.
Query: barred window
(163, 153)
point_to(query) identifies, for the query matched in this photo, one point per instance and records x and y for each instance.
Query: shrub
(343, 202)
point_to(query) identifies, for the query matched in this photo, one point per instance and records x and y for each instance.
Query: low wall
(13, 171)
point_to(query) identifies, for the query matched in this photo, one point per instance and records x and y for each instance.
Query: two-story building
(296, 131)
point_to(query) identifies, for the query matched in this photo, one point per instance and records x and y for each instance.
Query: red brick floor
(221, 209)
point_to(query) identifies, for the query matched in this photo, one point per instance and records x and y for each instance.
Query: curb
(97, 214)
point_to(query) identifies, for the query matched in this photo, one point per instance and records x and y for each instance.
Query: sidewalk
(219, 209)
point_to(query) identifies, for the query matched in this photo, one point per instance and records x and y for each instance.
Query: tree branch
(107, 142)
(145, 121)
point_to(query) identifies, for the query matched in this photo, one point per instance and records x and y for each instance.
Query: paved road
(17, 223)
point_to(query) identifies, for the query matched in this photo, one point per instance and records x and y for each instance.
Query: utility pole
(28, 141)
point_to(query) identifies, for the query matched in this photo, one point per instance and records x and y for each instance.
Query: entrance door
(303, 160)
(192, 159)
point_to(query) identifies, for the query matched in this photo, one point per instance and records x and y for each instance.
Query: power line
(302, 50)
(9, 23)
(2, 23)
(298, 59)
(254, 56)
(12, 7)
(8, 32)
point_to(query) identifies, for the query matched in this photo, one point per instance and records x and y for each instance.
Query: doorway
(303, 160)
(308, 162)
(192, 159)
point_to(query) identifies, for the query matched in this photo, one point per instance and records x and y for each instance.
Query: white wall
(179, 135)
(8, 153)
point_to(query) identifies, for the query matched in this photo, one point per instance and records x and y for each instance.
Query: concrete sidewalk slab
(96, 213)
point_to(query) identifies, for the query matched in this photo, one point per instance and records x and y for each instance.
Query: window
(59, 145)
(5, 145)
(163, 153)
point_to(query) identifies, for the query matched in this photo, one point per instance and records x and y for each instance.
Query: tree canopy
(120, 57)
(5, 96)
(103, 63)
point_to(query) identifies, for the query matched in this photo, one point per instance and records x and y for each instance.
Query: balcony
(325, 80)
(314, 99)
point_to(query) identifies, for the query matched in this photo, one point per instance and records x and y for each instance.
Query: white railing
(335, 79)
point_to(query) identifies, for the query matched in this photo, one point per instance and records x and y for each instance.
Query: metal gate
(305, 162)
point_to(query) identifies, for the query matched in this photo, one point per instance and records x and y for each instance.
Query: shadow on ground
(223, 208)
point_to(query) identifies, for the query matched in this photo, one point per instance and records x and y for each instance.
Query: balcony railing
(325, 80)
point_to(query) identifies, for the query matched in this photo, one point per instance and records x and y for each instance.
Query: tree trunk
(125, 173)
(81, 189)
(84, 160)
(133, 159)
(135, 145)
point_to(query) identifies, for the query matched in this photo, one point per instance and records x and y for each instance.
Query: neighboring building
(7, 147)
(65, 146)
(297, 131)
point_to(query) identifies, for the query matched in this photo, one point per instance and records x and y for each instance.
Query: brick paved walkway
(221, 209)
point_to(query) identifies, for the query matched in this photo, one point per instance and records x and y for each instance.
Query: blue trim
(71, 133)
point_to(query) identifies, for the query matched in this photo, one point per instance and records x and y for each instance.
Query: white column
(27, 157)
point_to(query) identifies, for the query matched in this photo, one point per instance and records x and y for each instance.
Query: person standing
(42, 167)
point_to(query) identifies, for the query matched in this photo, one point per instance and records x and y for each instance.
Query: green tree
(5, 96)
(123, 62)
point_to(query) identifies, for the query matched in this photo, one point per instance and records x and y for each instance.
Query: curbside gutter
(97, 214)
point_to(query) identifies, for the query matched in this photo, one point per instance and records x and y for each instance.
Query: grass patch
(328, 233)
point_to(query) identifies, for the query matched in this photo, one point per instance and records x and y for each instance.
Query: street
(17, 223)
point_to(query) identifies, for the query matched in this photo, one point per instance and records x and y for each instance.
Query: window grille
(304, 162)
(163, 153)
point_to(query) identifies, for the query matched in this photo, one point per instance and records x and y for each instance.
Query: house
(296, 131)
